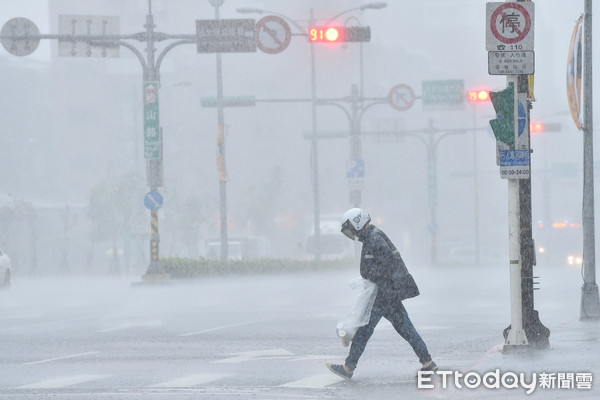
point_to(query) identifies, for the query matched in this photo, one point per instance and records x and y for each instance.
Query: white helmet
(353, 221)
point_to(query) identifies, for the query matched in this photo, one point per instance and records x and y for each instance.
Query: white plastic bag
(361, 310)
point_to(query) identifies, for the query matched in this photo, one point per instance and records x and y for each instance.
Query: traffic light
(504, 103)
(478, 96)
(536, 127)
(336, 34)
(541, 127)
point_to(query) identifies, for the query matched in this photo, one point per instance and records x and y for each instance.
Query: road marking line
(191, 381)
(61, 358)
(63, 382)
(314, 382)
(256, 355)
(314, 358)
(46, 324)
(220, 328)
(129, 325)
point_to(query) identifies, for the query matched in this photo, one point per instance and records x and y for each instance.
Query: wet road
(259, 337)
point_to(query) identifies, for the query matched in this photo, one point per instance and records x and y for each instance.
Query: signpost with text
(509, 41)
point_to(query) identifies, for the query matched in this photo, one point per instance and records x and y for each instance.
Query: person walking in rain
(382, 264)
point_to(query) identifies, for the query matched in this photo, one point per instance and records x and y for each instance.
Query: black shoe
(431, 367)
(340, 371)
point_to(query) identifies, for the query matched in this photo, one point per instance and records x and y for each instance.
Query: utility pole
(314, 150)
(506, 40)
(89, 36)
(590, 304)
(221, 164)
(431, 140)
(314, 144)
(355, 172)
(537, 334)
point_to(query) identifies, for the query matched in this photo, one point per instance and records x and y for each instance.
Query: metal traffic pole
(221, 164)
(314, 151)
(590, 304)
(20, 37)
(516, 335)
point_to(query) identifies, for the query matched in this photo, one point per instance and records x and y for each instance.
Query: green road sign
(504, 104)
(444, 95)
(233, 101)
(152, 145)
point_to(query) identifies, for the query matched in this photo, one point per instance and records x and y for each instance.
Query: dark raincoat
(381, 263)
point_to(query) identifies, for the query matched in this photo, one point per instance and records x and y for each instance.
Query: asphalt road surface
(253, 337)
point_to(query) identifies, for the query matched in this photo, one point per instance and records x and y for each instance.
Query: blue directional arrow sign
(153, 201)
(355, 169)
(522, 118)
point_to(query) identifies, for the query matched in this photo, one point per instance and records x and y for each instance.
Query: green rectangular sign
(152, 143)
(233, 101)
(444, 95)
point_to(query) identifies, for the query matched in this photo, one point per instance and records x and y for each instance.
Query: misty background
(72, 168)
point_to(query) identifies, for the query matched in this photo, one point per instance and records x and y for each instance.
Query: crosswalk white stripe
(61, 358)
(128, 325)
(314, 382)
(220, 328)
(63, 382)
(191, 381)
(256, 355)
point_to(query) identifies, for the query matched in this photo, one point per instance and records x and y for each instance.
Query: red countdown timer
(325, 34)
(478, 96)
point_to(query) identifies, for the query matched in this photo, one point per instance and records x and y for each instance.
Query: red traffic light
(536, 127)
(335, 34)
(324, 34)
(478, 96)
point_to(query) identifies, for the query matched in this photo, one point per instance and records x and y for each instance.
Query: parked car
(5, 277)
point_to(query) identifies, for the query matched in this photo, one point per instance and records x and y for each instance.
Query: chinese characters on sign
(509, 26)
(514, 164)
(511, 62)
(509, 38)
(152, 144)
(510, 23)
(226, 36)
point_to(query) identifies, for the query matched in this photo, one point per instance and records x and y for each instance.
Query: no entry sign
(509, 26)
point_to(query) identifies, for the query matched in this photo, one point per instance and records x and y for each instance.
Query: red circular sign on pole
(273, 34)
(401, 97)
(511, 30)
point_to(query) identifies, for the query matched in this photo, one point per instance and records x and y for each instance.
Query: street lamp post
(314, 147)
(431, 141)
(21, 37)
(221, 147)
(354, 113)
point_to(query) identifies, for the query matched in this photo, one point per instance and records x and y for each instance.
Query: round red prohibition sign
(510, 22)
(273, 34)
(401, 97)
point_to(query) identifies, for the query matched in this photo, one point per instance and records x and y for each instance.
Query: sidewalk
(568, 369)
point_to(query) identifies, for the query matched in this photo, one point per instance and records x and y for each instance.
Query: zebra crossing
(318, 381)
(227, 376)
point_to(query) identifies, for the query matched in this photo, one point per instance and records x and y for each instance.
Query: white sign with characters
(509, 26)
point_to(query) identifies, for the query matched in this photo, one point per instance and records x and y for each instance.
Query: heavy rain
(173, 188)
